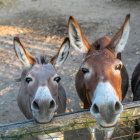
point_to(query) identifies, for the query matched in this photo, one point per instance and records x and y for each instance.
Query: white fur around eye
(31, 82)
(53, 77)
(117, 71)
(90, 69)
(88, 75)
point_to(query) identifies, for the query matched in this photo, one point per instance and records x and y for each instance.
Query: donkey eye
(85, 70)
(57, 79)
(28, 79)
(118, 67)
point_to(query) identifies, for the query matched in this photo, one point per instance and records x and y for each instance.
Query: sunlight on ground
(43, 44)
(5, 90)
(12, 31)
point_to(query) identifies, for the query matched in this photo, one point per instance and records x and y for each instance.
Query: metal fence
(61, 125)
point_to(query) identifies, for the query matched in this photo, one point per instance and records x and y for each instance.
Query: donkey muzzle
(43, 105)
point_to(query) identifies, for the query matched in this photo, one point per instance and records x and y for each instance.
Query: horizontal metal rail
(64, 122)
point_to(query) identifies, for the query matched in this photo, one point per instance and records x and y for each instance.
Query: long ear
(23, 55)
(119, 41)
(77, 39)
(62, 53)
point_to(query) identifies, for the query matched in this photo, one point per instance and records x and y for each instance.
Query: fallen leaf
(73, 53)
(129, 59)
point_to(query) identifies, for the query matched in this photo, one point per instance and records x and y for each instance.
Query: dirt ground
(42, 26)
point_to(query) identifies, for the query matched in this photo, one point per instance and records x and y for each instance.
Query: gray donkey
(41, 93)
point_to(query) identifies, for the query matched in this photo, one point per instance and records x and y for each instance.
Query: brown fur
(102, 63)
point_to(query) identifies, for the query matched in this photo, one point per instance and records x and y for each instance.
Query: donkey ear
(62, 53)
(119, 41)
(23, 55)
(77, 39)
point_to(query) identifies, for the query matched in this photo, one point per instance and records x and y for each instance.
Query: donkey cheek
(54, 91)
(54, 96)
(91, 96)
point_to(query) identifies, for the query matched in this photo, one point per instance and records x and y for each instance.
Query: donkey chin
(43, 117)
(104, 124)
(106, 120)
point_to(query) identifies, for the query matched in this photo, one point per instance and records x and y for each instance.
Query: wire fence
(123, 131)
(68, 126)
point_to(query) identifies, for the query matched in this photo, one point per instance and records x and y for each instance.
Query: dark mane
(42, 60)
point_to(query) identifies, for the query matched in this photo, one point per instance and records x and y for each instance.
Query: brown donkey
(102, 80)
(41, 93)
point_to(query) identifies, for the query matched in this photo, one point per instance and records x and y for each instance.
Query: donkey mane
(42, 60)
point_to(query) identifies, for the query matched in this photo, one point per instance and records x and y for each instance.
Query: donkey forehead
(100, 59)
(42, 70)
(100, 56)
(102, 42)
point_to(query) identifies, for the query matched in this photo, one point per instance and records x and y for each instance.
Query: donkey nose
(106, 112)
(35, 105)
(40, 104)
(52, 104)
(95, 108)
(116, 107)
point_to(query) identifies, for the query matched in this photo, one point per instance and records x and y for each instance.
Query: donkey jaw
(103, 124)
(43, 118)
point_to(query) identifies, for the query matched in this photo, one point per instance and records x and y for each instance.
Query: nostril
(95, 108)
(52, 104)
(117, 106)
(35, 105)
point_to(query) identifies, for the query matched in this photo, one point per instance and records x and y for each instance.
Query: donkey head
(39, 82)
(99, 79)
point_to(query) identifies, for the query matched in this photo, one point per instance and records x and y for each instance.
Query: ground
(42, 26)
